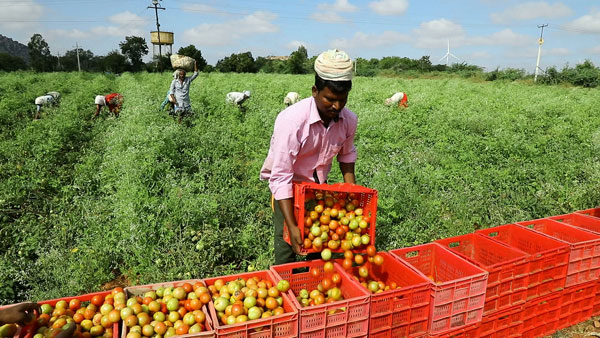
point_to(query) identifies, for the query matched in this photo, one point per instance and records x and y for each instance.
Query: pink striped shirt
(301, 145)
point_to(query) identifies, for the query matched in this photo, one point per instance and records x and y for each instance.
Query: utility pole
(541, 42)
(78, 64)
(58, 58)
(156, 7)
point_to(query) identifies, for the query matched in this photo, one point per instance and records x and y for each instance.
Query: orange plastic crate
(401, 312)
(367, 198)
(584, 259)
(540, 315)
(577, 304)
(140, 290)
(548, 257)
(29, 331)
(319, 321)
(471, 331)
(580, 221)
(503, 324)
(508, 269)
(284, 325)
(458, 287)
(594, 212)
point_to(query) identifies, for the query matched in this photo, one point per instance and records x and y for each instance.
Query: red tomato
(315, 273)
(371, 251)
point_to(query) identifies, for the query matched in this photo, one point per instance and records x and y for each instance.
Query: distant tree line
(131, 52)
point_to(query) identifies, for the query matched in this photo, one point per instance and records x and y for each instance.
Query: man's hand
(19, 314)
(295, 238)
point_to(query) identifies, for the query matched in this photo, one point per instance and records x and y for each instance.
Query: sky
(488, 33)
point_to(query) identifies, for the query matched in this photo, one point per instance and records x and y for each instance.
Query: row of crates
(526, 279)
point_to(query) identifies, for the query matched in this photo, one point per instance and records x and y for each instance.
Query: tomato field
(86, 203)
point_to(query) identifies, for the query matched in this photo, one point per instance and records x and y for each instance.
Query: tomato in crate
(252, 304)
(400, 297)
(330, 303)
(177, 308)
(339, 216)
(458, 287)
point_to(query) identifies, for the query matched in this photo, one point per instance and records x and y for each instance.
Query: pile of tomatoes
(328, 290)
(93, 319)
(334, 220)
(166, 311)
(361, 273)
(242, 299)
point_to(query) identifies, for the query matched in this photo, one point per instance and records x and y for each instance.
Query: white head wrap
(247, 93)
(334, 65)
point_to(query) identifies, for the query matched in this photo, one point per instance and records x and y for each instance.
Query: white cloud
(389, 7)
(559, 51)
(589, 24)
(532, 10)
(12, 17)
(337, 6)
(506, 37)
(436, 33)
(327, 17)
(222, 34)
(69, 33)
(187, 7)
(594, 50)
(125, 24)
(479, 55)
(362, 40)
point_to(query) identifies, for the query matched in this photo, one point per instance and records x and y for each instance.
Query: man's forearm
(287, 209)
(347, 170)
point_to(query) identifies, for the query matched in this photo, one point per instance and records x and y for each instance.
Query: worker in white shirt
(237, 97)
(51, 98)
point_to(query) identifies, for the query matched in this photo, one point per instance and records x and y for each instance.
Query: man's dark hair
(337, 87)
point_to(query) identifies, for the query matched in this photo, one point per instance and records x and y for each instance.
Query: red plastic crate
(367, 198)
(580, 221)
(142, 289)
(30, 330)
(577, 304)
(401, 312)
(540, 315)
(317, 321)
(548, 258)
(503, 324)
(471, 331)
(458, 287)
(508, 269)
(594, 212)
(284, 325)
(596, 310)
(584, 259)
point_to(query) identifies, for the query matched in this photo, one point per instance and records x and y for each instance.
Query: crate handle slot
(412, 254)
(531, 226)
(454, 244)
(493, 234)
(560, 220)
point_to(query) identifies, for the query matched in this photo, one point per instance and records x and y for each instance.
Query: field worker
(306, 138)
(167, 99)
(180, 92)
(291, 98)
(51, 98)
(237, 97)
(399, 98)
(114, 101)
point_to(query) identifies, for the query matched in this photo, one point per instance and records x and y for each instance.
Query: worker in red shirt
(114, 101)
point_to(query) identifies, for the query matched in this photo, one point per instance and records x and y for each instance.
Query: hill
(14, 48)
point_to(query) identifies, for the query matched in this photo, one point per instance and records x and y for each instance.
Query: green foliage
(39, 54)
(510, 74)
(115, 62)
(195, 54)
(134, 47)
(9, 63)
(585, 75)
(297, 61)
(239, 63)
(144, 199)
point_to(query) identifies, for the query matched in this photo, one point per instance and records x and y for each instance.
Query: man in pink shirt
(306, 138)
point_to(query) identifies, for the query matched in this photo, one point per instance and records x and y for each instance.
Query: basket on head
(182, 62)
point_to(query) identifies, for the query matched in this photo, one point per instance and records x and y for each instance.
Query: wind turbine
(448, 55)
